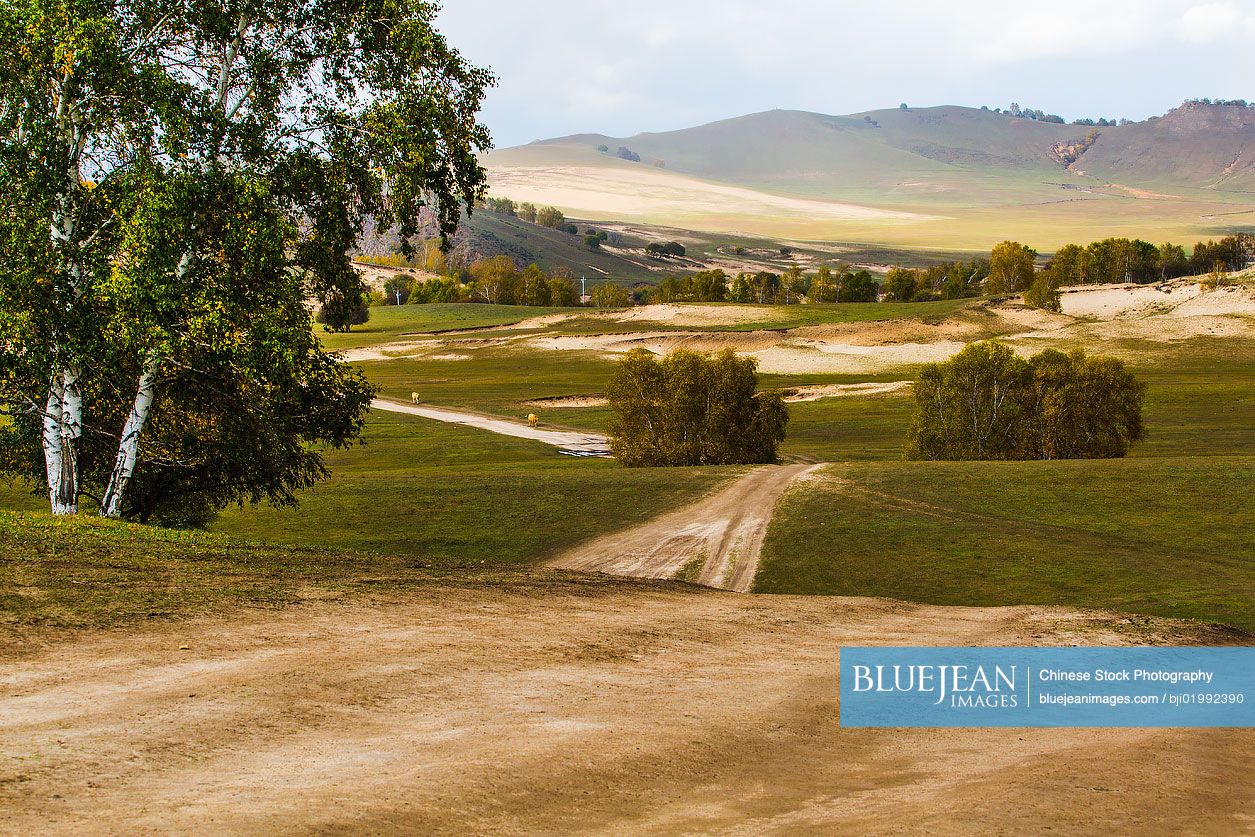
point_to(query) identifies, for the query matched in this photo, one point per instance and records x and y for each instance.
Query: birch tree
(199, 170)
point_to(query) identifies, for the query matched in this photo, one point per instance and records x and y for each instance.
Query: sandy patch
(694, 315)
(1109, 302)
(568, 401)
(815, 392)
(1222, 302)
(723, 533)
(813, 357)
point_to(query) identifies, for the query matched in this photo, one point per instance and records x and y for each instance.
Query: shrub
(610, 296)
(987, 403)
(693, 409)
(396, 291)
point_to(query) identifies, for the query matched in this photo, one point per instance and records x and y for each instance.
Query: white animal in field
(414, 397)
(532, 419)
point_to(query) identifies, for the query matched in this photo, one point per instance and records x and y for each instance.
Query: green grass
(88, 572)
(454, 499)
(420, 501)
(1168, 536)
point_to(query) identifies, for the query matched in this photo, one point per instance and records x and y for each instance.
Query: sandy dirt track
(587, 444)
(724, 532)
(565, 705)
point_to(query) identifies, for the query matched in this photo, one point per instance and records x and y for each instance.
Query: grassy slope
(987, 175)
(1160, 536)
(552, 249)
(420, 500)
(453, 499)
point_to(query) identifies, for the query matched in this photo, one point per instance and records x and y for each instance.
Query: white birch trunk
(52, 441)
(128, 446)
(63, 426)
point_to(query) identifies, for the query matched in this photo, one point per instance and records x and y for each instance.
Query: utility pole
(583, 290)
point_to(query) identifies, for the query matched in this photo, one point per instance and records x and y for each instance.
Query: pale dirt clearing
(815, 392)
(568, 401)
(1109, 302)
(559, 705)
(586, 444)
(715, 541)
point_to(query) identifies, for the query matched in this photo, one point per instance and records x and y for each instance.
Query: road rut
(716, 541)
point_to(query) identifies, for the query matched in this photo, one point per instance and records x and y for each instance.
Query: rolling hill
(929, 177)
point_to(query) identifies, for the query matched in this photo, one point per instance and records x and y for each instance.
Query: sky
(657, 65)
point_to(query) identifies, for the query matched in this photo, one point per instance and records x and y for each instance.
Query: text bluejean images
(1048, 687)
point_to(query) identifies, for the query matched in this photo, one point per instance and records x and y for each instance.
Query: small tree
(1010, 268)
(693, 409)
(610, 296)
(1044, 292)
(527, 212)
(550, 216)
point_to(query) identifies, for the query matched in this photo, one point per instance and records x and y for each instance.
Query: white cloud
(1205, 23)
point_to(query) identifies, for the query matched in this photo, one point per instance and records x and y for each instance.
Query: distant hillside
(486, 234)
(941, 176)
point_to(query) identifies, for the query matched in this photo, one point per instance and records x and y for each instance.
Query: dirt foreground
(571, 705)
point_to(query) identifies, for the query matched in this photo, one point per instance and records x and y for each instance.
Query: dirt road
(568, 441)
(568, 705)
(715, 542)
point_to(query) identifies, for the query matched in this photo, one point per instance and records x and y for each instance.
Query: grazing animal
(532, 419)
(414, 397)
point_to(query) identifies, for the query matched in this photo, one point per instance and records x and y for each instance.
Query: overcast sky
(619, 68)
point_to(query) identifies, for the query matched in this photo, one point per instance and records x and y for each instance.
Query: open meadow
(434, 596)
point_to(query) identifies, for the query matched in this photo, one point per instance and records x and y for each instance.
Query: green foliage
(436, 290)
(1010, 268)
(703, 286)
(900, 285)
(692, 409)
(397, 289)
(856, 286)
(988, 403)
(199, 173)
(527, 212)
(1044, 292)
(358, 316)
(661, 249)
(610, 296)
(549, 216)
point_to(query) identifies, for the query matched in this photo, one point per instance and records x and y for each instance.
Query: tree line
(497, 280)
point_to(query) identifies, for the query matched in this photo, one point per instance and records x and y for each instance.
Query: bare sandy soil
(715, 541)
(571, 706)
(586, 444)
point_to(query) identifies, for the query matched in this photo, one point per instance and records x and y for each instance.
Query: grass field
(1168, 536)
(419, 500)
(438, 499)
